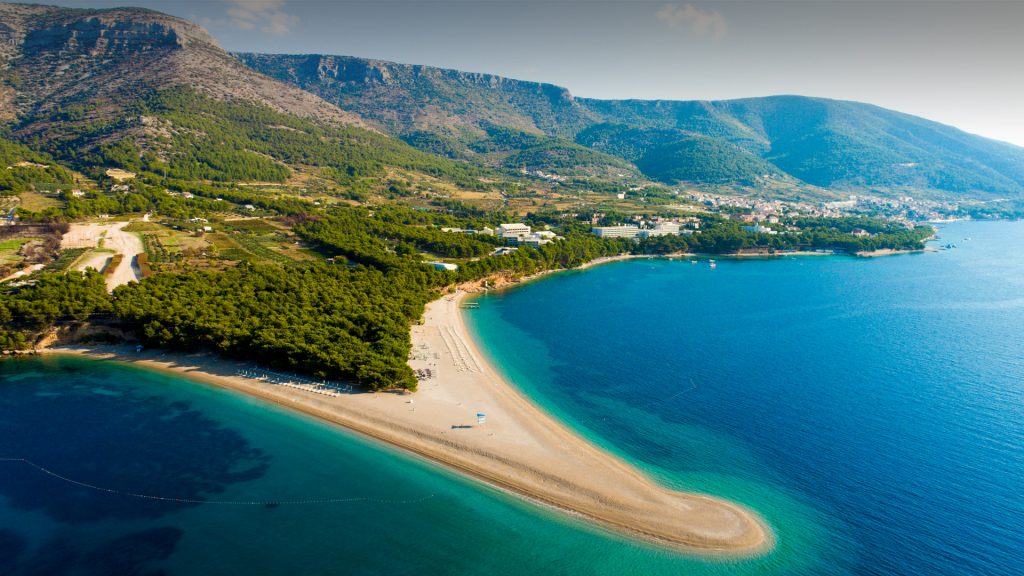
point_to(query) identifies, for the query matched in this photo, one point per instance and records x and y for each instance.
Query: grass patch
(65, 260)
(259, 247)
(13, 244)
(227, 248)
(140, 226)
(255, 226)
(36, 202)
(143, 262)
(112, 265)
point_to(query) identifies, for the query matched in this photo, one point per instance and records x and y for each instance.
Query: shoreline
(757, 526)
(501, 281)
(520, 449)
(882, 252)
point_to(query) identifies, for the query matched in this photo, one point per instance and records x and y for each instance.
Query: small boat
(712, 264)
(693, 261)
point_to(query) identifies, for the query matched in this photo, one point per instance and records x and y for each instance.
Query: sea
(870, 410)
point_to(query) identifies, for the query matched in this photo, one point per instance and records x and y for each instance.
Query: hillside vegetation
(285, 228)
(195, 137)
(819, 142)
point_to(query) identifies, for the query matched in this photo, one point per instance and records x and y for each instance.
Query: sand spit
(518, 447)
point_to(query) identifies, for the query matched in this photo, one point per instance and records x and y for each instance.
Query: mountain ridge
(108, 85)
(822, 142)
(149, 92)
(105, 59)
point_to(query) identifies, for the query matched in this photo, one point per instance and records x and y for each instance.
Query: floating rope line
(49, 472)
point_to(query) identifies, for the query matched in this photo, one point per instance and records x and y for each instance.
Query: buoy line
(49, 472)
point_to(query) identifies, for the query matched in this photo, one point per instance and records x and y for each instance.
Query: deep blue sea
(871, 410)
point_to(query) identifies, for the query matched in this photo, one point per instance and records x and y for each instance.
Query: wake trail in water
(53, 474)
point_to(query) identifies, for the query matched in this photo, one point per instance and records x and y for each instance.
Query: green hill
(481, 118)
(825, 143)
(149, 92)
(705, 160)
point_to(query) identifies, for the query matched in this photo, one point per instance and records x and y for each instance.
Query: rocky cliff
(408, 98)
(55, 57)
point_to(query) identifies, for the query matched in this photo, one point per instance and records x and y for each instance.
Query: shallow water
(871, 410)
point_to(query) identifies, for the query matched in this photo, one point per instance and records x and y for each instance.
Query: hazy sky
(961, 63)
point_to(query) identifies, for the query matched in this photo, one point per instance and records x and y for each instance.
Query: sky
(955, 62)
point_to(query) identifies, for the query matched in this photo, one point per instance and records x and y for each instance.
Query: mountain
(57, 56)
(477, 117)
(827, 143)
(148, 92)
(407, 98)
(749, 142)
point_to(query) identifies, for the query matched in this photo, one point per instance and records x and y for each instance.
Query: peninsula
(305, 211)
(519, 447)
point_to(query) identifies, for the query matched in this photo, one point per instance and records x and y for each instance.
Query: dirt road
(114, 238)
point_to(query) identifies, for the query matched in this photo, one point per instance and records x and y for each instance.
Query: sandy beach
(891, 252)
(519, 447)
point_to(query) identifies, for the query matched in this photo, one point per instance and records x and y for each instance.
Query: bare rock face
(108, 34)
(428, 97)
(55, 57)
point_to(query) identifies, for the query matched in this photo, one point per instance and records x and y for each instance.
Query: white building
(759, 229)
(616, 231)
(536, 239)
(444, 266)
(513, 230)
(662, 229)
(839, 205)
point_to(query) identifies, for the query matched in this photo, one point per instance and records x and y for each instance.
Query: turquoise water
(870, 410)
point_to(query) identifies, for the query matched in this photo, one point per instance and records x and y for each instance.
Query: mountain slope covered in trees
(481, 118)
(825, 143)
